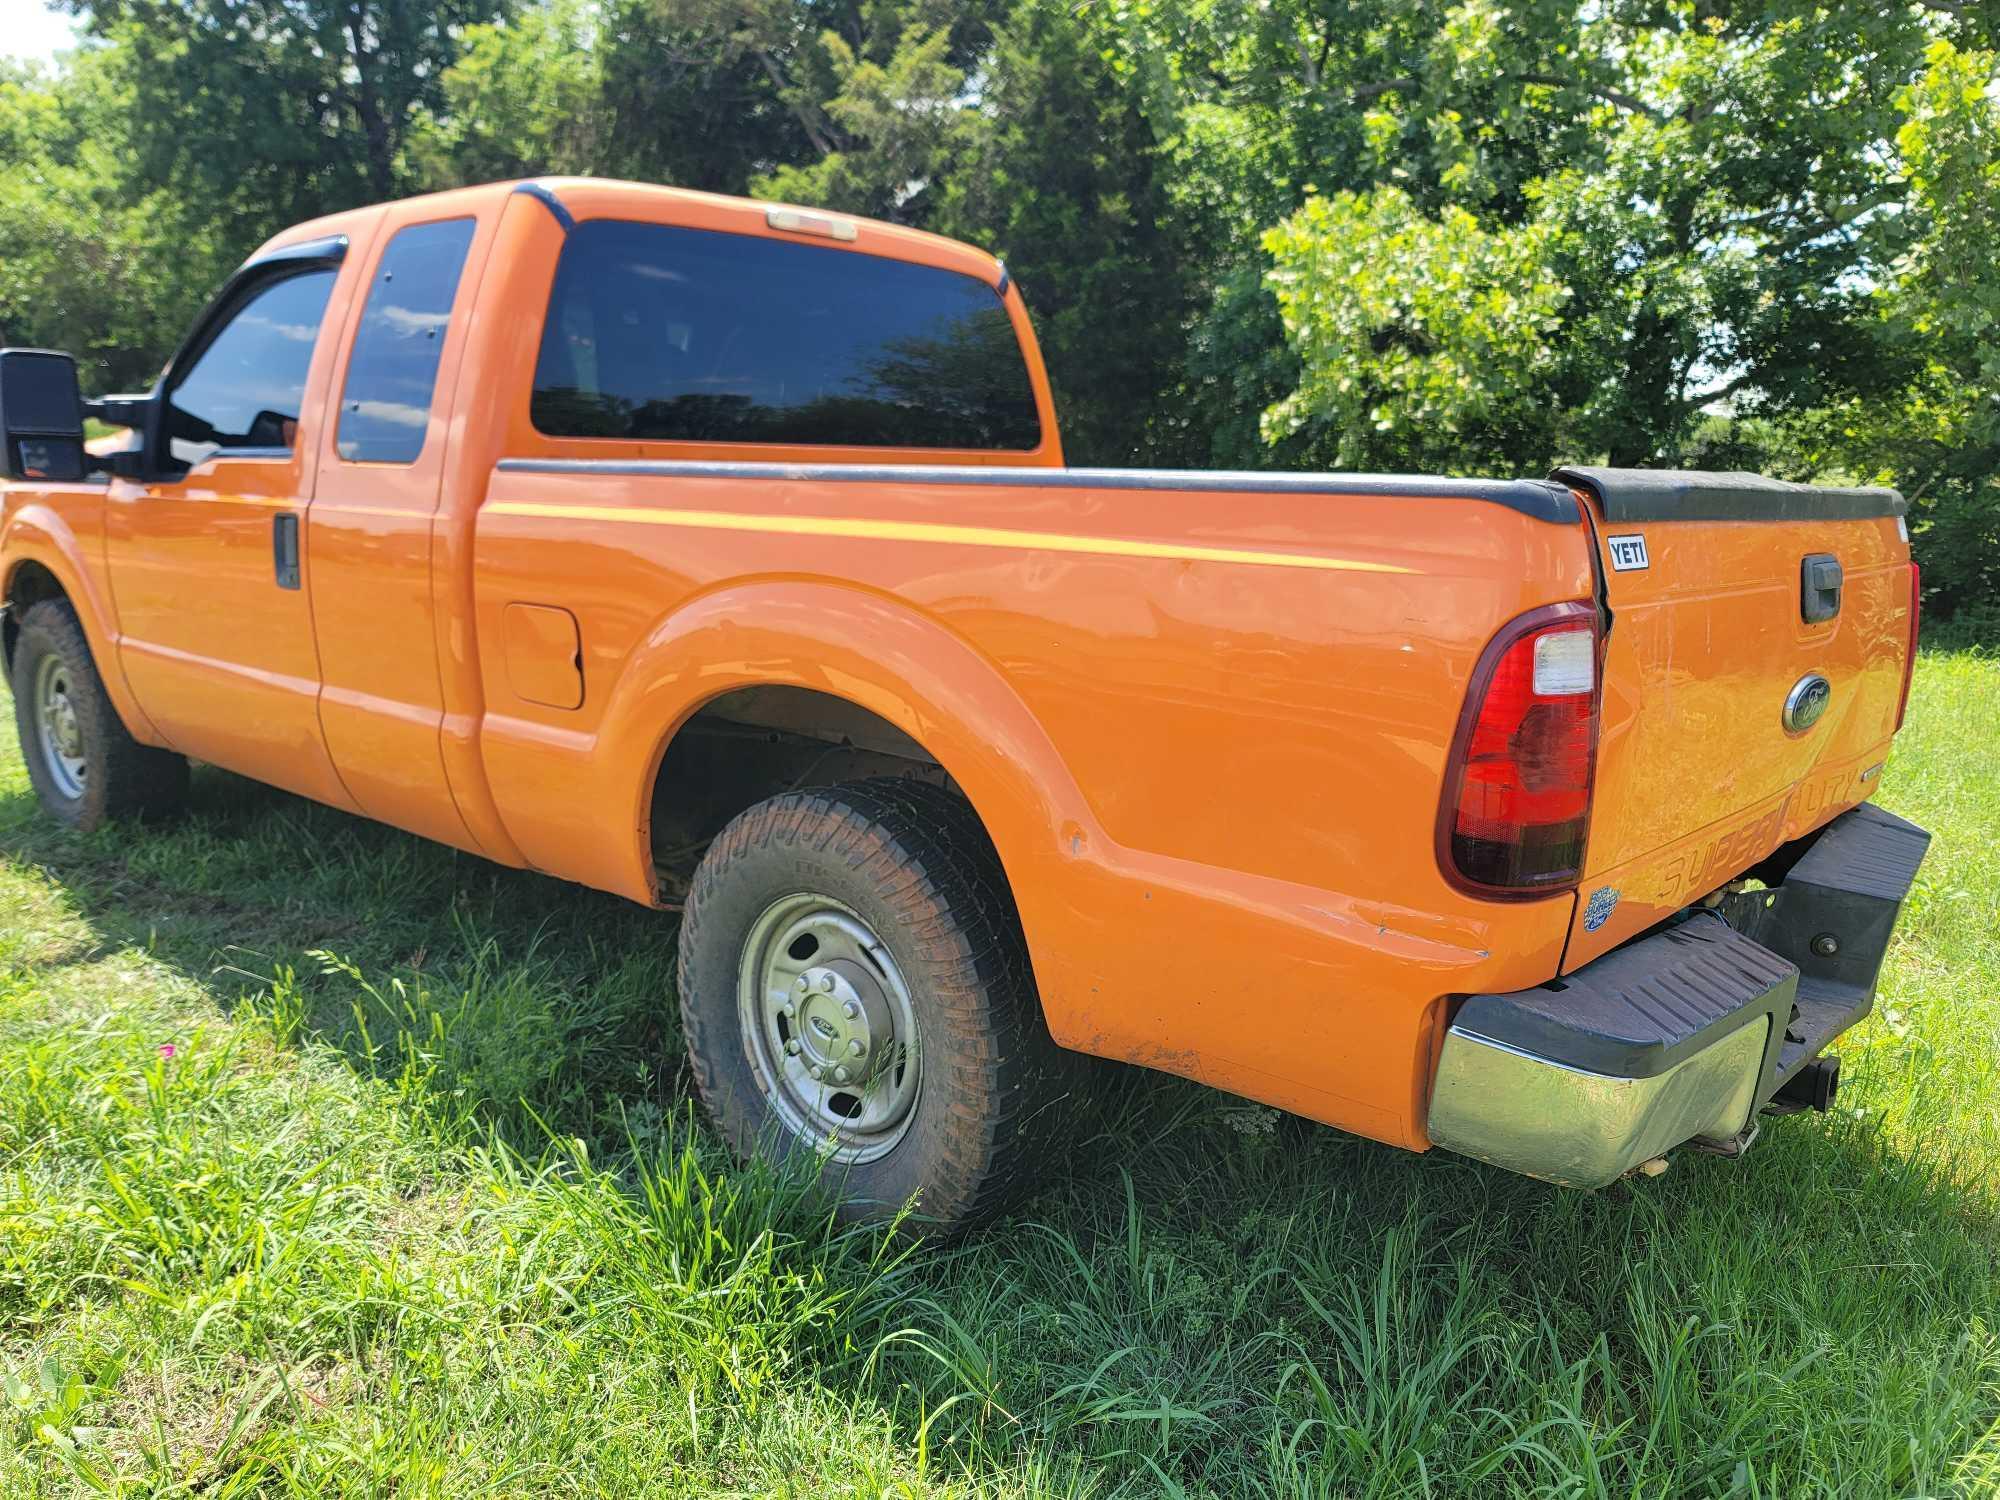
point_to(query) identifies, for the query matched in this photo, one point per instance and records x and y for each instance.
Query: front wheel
(84, 765)
(854, 983)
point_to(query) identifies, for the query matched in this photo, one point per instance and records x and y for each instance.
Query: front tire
(854, 982)
(84, 765)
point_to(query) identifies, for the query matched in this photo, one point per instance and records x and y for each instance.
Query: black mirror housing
(41, 415)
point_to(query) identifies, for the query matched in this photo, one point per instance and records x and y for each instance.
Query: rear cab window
(658, 332)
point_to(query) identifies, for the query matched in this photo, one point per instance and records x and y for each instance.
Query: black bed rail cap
(1692, 495)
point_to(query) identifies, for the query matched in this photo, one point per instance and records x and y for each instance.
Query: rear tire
(85, 766)
(867, 931)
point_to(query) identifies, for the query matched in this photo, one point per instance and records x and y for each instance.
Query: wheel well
(30, 585)
(760, 742)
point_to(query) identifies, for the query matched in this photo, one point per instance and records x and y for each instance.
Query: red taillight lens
(1910, 662)
(1516, 811)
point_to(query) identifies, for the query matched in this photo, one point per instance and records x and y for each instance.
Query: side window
(655, 331)
(246, 388)
(385, 409)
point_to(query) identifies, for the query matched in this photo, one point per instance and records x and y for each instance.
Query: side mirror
(134, 414)
(41, 415)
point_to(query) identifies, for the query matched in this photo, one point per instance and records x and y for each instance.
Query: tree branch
(789, 96)
(1366, 91)
(1625, 101)
(1702, 398)
(1840, 219)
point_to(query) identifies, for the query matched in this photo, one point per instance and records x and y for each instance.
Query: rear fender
(878, 654)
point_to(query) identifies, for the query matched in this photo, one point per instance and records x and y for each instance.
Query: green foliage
(1710, 190)
(1933, 428)
(526, 98)
(1058, 173)
(1939, 434)
(1422, 341)
(884, 129)
(279, 106)
(1451, 234)
(88, 262)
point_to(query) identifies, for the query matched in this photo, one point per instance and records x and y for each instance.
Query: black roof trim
(549, 201)
(1531, 497)
(330, 251)
(1689, 495)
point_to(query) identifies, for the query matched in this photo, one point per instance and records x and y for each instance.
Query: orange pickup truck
(722, 555)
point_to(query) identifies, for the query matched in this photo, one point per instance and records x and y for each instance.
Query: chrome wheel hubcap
(57, 728)
(829, 1027)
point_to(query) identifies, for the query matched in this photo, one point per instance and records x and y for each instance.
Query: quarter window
(246, 388)
(662, 332)
(385, 410)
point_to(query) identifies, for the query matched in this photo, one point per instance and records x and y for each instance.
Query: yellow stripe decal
(927, 531)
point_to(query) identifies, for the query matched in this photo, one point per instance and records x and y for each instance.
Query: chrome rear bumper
(1683, 1035)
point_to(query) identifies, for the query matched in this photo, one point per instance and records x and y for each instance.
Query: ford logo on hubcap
(1806, 702)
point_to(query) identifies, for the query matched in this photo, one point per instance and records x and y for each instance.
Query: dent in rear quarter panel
(1696, 778)
(1213, 781)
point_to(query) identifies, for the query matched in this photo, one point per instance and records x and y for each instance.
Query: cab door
(207, 555)
(380, 471)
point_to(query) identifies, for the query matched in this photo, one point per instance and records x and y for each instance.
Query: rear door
(369, 530)
(1753, 676)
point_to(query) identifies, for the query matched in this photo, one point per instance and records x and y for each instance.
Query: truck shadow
(1206, 1290)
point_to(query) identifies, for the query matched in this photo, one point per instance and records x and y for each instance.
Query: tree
(280, 109)
(1717, 239)
(90, 261)
(525, 98)
(1057, 171)
(1936, 432)
(717, 94)
(884, 131)
(1447, 234)
(1423, 343)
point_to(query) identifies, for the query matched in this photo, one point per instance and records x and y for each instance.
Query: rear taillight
(1910, 661)
(1516, 810)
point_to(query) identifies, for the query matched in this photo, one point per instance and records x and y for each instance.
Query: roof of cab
(606, 198)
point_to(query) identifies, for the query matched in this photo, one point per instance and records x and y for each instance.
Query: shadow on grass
(1207, 1294)
(552, 999)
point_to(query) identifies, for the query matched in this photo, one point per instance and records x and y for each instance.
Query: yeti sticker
(1628, 553)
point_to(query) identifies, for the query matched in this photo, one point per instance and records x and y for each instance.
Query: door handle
(285, 549)
(1819, 588)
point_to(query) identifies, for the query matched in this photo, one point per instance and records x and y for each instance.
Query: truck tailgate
(1719, 742)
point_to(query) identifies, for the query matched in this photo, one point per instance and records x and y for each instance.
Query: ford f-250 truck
(722, 555)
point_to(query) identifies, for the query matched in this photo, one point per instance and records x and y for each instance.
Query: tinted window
(657, 332)
(385, 410)
(246, 389)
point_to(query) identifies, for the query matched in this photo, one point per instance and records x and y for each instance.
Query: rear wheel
(854, 983)
(84, 765)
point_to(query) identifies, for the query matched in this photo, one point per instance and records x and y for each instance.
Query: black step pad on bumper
(1842, 892)
(1683, 1034)
(1641, 1008)
(1804, 953)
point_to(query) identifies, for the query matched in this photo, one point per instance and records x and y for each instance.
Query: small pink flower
(166, 1049)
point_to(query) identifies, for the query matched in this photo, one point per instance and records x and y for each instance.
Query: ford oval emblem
(1603, 901)
(1806, 702)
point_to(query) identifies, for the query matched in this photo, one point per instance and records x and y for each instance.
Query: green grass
(417, 1206)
